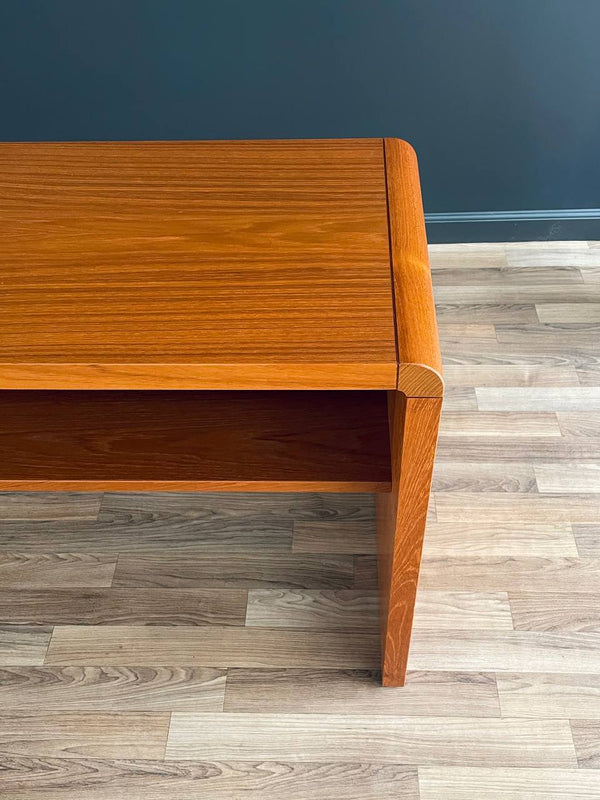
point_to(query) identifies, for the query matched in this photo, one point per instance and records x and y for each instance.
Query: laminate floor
(220, 646)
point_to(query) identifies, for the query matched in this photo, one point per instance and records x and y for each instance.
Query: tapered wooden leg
(401, 517)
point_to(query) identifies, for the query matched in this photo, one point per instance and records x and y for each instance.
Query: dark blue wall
(501, 98)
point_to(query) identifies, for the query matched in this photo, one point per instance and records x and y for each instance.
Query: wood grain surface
(237, 265)
(419, 357)
(31, 507)
(251, 570)
(309, 691)
(124, 606)
(24, 644)
(401, 517)
(488, 783)
(61, 570)
(212, 646)
(148, 779)
(550, 694)
(586, 736)
(194, 440)
(349, 609)
(587, 538)
(68, 735)
(386, 739)
(25, 689)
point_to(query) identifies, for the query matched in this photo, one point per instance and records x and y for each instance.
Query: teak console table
(224, 316)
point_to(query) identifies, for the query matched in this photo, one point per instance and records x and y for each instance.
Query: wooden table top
(242, 265)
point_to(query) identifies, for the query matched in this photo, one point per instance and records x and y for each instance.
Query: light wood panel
(384, 739)
(359, 691)
(212, 646)
(535, 398)
(550, 611)
(42, 570)
(505, 448)
(563, 575)
(537, 353)
(86, 689)
(253, 510)
(71, 735)
(589, 373)
(591, 274)
(325, 537)
(579, 423)
(264, 253)
(359, 609)
(123, 606)
(472, 255)
(518, 507)
(588, 539)
(577, 478)
(500, 276)
(113, 779)
(41, 506)
(476, 331)
(527, 539)
(526, 694)
(565, 338)
(505, 651)
(586, 736)
(460, 398)
(497, 424)
(541, 292)
(161, 569)
(487, 783)
(441, 610)
(516, 380)
(569, 312)
(24, 644)
(314, 609)
(515, 313)
(553, 254)
(131, 530)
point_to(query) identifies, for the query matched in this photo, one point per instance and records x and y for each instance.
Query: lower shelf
(194, 441)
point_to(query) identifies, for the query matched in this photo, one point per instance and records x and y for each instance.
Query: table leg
(401, 517)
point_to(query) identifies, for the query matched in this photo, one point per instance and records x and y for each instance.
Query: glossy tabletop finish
(237, 265)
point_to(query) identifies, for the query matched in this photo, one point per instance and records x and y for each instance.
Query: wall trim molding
(562, 224)
(514, 216)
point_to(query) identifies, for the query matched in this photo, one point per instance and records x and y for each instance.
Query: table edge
(419, 356)
(186, 376)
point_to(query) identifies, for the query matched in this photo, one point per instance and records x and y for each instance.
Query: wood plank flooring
(224, 646)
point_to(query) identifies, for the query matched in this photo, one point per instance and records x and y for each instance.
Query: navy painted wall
(501, 98)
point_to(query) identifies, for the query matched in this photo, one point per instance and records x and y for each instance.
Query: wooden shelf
(194, 440)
